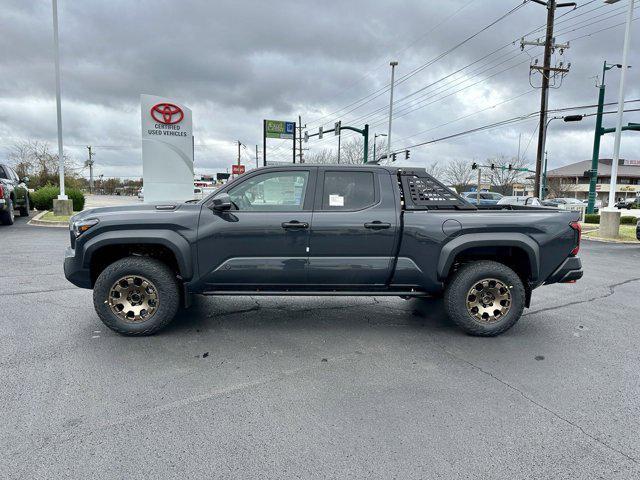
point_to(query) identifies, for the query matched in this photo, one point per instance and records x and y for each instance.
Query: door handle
(295, 224)
(377, 225)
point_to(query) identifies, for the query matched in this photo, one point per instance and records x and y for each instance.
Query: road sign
(279, 129)
(237, 169)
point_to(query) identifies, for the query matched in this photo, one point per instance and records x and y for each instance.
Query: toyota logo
(167, 113)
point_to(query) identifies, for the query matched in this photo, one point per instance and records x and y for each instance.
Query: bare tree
(33, 159)
(501, 177)
(458, 173)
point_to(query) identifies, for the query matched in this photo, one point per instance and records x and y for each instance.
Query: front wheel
(485, 298)
(136, 296)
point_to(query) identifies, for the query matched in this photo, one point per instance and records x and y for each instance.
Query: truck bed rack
(420, 191)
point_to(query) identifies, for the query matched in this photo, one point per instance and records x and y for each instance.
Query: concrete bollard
(609, 223)
(62, 207)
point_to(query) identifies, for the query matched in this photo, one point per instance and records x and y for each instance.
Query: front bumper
(569, 271)
(74, 271)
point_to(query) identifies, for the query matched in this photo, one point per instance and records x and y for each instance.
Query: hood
(146, 208)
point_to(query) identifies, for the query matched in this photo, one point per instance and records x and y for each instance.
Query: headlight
(81, 226)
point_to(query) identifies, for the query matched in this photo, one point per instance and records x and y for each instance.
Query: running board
(315, 293)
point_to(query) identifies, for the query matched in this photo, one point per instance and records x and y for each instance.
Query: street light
(375, 136)
(393, 65)
(56, 55)
(616, 145)
(566, 118)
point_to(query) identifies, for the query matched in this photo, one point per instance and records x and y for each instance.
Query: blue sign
(289, 126)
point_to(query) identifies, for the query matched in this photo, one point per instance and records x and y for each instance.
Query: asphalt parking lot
(317, 388)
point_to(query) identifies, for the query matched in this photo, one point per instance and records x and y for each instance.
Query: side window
(273, 191)
(3, 174)
(348, 190)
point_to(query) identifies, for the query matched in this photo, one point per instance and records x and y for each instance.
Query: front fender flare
(167, 238)
(470, 240)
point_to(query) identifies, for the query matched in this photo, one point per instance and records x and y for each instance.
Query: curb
(36, 221)
(609, 240)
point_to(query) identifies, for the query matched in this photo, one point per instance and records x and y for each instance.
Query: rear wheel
(136, 296)
(485, 298)
(8, 216)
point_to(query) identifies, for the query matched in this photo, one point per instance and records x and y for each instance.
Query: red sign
(237, 169)
(167, 113)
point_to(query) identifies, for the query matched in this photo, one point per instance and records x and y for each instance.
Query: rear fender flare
(167, 238)
(461, 243)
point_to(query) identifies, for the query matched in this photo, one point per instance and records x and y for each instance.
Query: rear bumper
(74, 271)
(569, 271)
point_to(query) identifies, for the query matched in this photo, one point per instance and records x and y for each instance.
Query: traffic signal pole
(596, 151)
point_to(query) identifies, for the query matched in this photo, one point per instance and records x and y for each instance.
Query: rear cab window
(348, 190)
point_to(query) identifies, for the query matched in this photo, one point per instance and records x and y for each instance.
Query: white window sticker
(336, 200)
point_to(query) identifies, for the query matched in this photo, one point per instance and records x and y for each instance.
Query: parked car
(596, 206)
(560, 201)
(14, 195)
(486, 198)
(520, 200)
(628, 203)
(322, 230)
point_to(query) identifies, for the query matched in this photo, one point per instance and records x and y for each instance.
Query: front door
(263, 240)
(354, 228)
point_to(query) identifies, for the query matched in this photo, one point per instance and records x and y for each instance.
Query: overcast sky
(237, 62)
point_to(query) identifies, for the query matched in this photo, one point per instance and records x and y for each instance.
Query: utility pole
(478, 187)
(393, 65)
(546, 71)
(257, 166)
(239, 145)
(90, 165)
(300, 127)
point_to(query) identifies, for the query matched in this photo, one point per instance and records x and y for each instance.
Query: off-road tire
(24, 211)
(463, 280)
(164, 281)
(8, 216)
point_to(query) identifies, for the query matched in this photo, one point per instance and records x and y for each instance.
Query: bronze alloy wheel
(133, 298)
(489, 300)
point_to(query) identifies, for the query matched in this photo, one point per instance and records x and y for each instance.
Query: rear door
(354, 228)
(263, 240)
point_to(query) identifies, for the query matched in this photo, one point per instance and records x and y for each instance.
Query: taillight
(1, 191)
(577, 228)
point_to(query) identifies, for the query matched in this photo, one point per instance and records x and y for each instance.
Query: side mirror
(221, 202)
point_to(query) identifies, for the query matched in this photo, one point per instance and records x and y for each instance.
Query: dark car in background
(486, 198)
(14, 195)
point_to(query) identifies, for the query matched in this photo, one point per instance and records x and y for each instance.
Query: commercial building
(573, 180)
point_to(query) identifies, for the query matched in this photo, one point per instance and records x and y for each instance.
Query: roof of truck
(388, 168)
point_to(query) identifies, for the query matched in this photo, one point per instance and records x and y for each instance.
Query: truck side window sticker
(336, 200)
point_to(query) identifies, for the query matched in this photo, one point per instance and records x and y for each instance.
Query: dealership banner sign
(167, 149)
(279, 129)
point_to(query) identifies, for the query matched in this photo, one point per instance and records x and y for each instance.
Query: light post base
(62, 207)
(610, 223)
(63, 197)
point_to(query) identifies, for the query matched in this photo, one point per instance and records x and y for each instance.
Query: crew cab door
(354, 228)
(262, 241)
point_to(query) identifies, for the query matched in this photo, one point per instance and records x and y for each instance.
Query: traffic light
(337, 127)
(306, 137)
(393, 157)
(406, 154)
(510, 167)
(320, 133)
(493, 166)
(474, 166)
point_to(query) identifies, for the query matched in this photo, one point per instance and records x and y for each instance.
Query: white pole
(393, 69)
(623, 73)
(56, 55)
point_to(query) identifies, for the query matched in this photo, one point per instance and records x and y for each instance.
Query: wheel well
(105, 256)
(513, 257)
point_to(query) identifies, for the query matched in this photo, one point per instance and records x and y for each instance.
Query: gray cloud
(237, 62)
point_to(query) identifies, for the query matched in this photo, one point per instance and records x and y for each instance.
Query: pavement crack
(540, 405)
(38, 291)
(611, 288)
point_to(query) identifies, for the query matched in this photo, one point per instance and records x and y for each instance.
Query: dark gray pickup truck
(322, 230)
